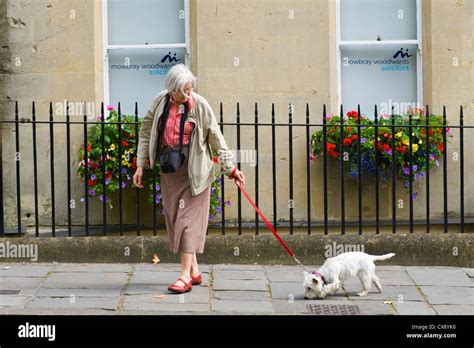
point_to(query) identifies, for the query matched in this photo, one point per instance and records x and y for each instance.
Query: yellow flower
(131, 150)
(112, 147)
(399, 134)
(124, 163)
(406, 142)
(415, 147)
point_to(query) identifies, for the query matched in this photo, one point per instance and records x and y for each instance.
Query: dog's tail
(383, 257)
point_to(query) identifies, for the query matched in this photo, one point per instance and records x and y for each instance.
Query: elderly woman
(186, 191)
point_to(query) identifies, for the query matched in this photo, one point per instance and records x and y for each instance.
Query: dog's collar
(316, 273)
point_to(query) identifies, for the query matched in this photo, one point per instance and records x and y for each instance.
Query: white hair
(178, 76)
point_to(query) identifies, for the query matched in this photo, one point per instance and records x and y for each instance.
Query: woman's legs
(186, 262)
(194, 266)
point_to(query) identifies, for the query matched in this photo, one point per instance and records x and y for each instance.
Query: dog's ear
(305, 274)
(315, 281)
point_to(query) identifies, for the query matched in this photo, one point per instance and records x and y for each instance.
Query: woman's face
(180, 97)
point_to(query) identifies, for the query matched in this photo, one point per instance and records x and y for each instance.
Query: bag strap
(162, 122)
(184, 115)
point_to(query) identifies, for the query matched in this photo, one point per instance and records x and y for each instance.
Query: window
(143, 39)
(379, 55)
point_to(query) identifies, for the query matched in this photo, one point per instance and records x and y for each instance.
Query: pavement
(141, 289)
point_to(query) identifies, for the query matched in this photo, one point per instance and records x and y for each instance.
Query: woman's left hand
(239, 178)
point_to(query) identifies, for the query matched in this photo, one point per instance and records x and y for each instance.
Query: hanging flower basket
(402, 156)
(128, 160)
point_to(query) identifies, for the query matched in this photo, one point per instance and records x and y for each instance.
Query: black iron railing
(237, 125)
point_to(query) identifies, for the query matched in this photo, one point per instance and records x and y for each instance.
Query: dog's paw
(362, 293)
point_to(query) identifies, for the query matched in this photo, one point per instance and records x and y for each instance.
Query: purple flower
(101, 197)
(157, 200)
(123, 184)
(157, 187)
(92, 192)
(363, 140)
(437, 163)
(107, 181)
(406, 184)
(93, 177)
(406, 171)
(106, 199)
(414, 195)
(227, 203)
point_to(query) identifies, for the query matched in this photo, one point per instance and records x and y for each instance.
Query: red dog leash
(288, 250)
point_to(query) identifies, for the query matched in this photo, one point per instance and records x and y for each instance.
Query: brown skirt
(186, 216)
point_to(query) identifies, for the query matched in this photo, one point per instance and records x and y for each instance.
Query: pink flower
(311, 157)
(110, 108)
(328, 116)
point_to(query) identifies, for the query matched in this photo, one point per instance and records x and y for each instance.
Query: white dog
(335, 270)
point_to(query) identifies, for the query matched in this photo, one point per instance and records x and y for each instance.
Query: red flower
(430, 131)
(88, 148)
(216, 159)
(352, 114)
(347, 141)
(441, 147)
(91, 182)
(330, 147)
(125, 143)
(108, 175)
(354, 137)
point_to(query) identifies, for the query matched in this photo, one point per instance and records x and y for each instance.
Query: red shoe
(196, 280)
(181, 289)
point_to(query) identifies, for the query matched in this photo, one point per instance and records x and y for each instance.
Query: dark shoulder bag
(171, 159)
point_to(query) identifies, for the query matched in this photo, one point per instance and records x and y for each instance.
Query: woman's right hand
(137, 177)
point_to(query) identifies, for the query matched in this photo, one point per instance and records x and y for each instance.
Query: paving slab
(453, 295)
(79, 302)
(288, 291)
(27, 286)
(86, 280)
(231, 306)
(25, 271)
(54, 311)
(446, 277)
(167, 267)
(231, 284)
(241, 295)
(48, 292)
(239, 275)
(389, 293)
(235, 267)
(285, 276)
(454, 309)
(392, 277)
(13, 301)
(198, 295)
(413, 308)
(94, 267)
(167, 307)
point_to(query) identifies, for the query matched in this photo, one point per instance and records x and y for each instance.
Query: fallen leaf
(155, 259)
(160, 296)
(387, 302)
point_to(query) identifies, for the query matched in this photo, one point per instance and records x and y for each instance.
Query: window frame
(107, 47)
(418, 42)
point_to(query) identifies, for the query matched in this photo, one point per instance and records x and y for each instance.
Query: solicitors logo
(399, 61)
(160, 68)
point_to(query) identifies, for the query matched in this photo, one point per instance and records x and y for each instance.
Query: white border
(418, 42)
(107, 47)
